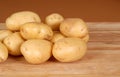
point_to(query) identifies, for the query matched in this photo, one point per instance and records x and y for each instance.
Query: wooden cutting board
(102, 58)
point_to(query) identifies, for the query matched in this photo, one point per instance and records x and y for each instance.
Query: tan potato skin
(54, 20)
(69, 49)
(57, 36)
(36, 31)
(3, 52)
(36, 51)
(14, 21)
(13, 43)
(86, 38)
(73, 27)
(4, 34)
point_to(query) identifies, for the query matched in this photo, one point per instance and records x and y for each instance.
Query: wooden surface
(101, 60)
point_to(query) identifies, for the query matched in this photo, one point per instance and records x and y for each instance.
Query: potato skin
(73, 27)
(36, 51)
(36, 31)
(13, 43)
(4, 34)
(69, 49)
(54, 20)
(86, 38)
(14, 21)
(3, 52)
(57, 36)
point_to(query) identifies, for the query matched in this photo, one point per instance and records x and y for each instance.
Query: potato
(4, 34)
(17, 19)
(54, 20)
(69, 49)
(3, 52)
(13, 43)
(74, 27)
(36, 31)
(36, 51)
(85, 38)
(57, 36)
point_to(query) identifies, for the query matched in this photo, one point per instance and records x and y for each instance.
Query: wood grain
(101, 60)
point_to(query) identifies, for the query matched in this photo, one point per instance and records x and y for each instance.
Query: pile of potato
(64, 38)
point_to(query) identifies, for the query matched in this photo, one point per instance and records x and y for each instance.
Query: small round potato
(36, 31)
(36, 51)
(3, 52)
(54, 20)
(13, 43)
(69, 49)
(17, 19)
(57, 36)
(74, 27)
(85, 38)
(4, 34)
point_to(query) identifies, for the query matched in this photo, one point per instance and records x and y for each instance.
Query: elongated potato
(17, 19)
(54, 20)
(85, 38)
(3, 52)
(57, 36)
(13, 43)
(36, 51)
(69, 49)
(73, 27)
(36, 31)
(4, 34)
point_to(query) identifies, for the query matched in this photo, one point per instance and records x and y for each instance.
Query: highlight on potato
(54, 20)
(26, 35)
(33, 30)
(13, 43)
(3, 52)
(74, 27)
(14, 21)
(36, 51)
(69, 49)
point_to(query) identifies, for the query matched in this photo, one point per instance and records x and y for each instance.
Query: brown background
(89, 10)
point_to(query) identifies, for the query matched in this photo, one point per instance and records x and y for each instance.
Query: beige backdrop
(89, 10)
